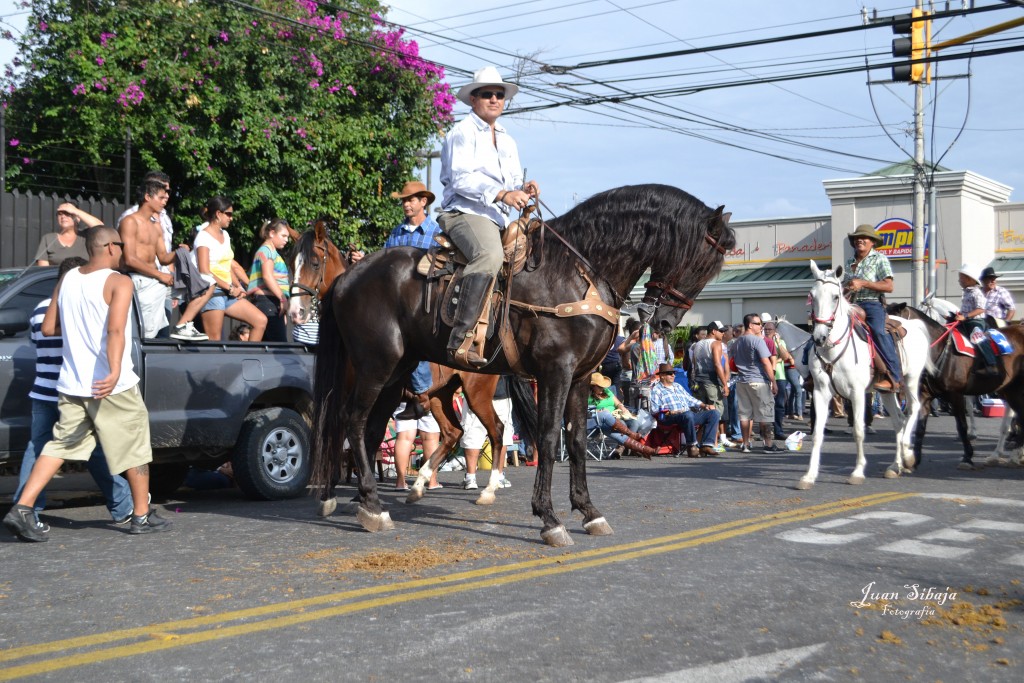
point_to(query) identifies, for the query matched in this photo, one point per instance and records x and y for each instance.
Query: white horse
(840, 363)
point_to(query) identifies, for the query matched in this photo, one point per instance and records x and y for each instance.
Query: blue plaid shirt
(420, 236)
(671, 398)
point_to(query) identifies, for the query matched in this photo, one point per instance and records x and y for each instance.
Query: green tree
(297, 109)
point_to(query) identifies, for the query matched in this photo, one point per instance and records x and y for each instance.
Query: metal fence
(26, 217)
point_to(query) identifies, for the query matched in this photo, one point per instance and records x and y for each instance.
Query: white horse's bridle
(830, 321)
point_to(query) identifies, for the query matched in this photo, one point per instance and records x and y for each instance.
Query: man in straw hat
(998, 301)
(972, 316)
(417, 230)
(483, 184)
(868, 276)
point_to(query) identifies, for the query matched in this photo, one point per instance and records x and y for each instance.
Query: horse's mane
(644, 223)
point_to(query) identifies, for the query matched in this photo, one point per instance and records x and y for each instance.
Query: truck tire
(165, 478)
(271, 460)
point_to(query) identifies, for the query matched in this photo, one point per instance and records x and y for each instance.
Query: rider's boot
(474, 290)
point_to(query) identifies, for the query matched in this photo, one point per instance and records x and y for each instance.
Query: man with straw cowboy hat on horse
(868, 276)
(483, 183)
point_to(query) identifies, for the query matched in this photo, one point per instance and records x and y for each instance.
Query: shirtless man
(144, 248)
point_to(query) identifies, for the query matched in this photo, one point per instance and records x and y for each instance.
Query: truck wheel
(271, 459)
(166, 478)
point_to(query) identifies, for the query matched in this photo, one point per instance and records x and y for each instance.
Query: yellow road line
(162, 636)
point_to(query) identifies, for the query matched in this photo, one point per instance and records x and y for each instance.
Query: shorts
(755, 402)
(119, 422)
(427, 423)
(711, 393)
(152, 297)
(219, 302)
(474, 433)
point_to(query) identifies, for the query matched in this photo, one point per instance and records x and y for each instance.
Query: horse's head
(317, 264)
(826, 302)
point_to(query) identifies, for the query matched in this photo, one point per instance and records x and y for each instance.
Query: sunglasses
(488, 94)
(228, 213)
(119, 244)
(756, 322)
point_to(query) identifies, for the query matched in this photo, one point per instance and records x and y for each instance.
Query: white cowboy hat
(971, 271)
(483, 77)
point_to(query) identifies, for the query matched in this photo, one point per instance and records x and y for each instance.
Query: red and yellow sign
(898, 239)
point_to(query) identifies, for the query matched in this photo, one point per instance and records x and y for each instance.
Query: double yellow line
(102, 647)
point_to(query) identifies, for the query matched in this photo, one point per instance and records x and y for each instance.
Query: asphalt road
(718, 571)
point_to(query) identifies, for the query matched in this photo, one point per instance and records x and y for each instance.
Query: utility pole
(917, 266)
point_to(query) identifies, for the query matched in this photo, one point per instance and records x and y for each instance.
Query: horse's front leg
(857, 406)
(821, 398)
(443, 410)
(551, 396)
(594, 522)
(959, 405)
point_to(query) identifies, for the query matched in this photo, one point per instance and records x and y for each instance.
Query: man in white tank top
(98, 389)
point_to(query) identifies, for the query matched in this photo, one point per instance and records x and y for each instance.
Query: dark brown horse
(956, 376)
(375, 328)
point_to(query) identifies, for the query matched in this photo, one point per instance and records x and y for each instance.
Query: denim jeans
(114, 487)
(875, 316)
(795, 393)
(605, 420)
(690, 420)
(421, 378)
(735, 433)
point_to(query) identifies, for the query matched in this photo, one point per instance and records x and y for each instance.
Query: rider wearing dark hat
(867, 277)
(483, 183)
(998, 302)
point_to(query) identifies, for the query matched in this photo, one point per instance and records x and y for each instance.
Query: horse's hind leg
(367, 430)
(594, 522)
(959, 406)
(479, 391)
(551, 405)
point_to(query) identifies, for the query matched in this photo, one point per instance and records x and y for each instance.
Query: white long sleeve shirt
(474, 170)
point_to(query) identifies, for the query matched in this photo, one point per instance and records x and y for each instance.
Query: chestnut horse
(375, 327)
(316, 264)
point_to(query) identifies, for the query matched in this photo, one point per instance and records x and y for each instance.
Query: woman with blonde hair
(268, 279)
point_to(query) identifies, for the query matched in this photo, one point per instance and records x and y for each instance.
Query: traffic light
(919, 28)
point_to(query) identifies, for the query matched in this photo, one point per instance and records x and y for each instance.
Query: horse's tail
(329, 396)
(525, 405)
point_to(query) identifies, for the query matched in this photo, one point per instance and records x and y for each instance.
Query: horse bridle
(830, 321)
(669, 295)
(313, 292)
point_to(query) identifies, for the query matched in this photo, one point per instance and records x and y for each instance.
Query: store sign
(897, 239)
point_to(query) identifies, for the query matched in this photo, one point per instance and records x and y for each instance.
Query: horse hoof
(909, 462)
(486, 498)
(994, 461)
(374, 522)
(415, 494)
(804, 485)
(891, 473)
(326, 508)
(557, 537)
(598, 527)
(855, 481)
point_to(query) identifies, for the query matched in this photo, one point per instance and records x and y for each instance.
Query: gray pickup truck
(209, 402)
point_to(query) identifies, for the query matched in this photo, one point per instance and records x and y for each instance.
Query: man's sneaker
(726, 443)
(123, 521)
(774, 449)
(470, 484)
(21, 521)
(504, 483)
(720, 448)
(42, 526)
(746, 448)
(188, 332)
(148, 524)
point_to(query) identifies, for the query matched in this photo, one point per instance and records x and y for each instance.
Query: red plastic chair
(666, 439)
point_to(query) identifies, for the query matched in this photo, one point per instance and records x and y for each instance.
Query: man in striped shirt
(45, 414)
(673, 405)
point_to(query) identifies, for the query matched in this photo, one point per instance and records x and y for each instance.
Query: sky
(771, 169)
(761, 149)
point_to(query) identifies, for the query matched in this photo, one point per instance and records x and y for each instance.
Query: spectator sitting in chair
(671, 404)
(606, 411)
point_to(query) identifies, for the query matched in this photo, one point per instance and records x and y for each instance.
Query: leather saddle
(443, 264)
